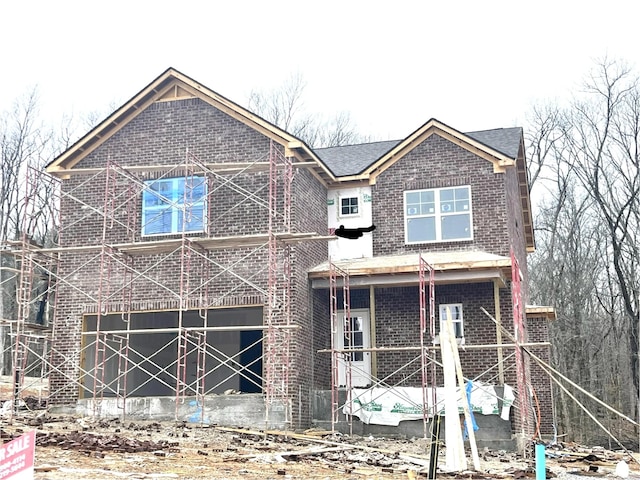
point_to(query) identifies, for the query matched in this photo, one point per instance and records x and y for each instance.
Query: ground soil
(81, 448)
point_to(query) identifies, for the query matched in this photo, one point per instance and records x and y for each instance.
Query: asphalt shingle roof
(504, 140)
(354, 159)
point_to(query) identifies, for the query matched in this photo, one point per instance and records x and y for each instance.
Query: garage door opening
(149, 355)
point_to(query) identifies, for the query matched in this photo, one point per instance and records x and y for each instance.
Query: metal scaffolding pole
(24, 289)
(427, 319)
(348, 336)
(336, 353)
(278, 303)
(333, 313)
(519, 333)
(116, 270)
(104, 285)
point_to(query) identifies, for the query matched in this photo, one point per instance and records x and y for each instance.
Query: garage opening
(148, 355)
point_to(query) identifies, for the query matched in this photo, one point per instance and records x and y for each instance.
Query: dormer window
(438, 215)
(349, 206)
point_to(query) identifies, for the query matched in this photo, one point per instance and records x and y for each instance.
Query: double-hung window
(174, 205)
(438, 215)
(348, 206)
(454, 312)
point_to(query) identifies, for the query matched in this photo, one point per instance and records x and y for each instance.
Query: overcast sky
(392, 65)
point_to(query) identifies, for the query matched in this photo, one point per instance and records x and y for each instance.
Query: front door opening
(354, 335)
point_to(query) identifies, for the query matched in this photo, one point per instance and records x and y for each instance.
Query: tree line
(585, 179)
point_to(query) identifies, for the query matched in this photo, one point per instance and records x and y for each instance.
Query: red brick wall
(398, 320)
(439, 163)
(397, 325)
(309, 213)
(161, 135)
(540, 381)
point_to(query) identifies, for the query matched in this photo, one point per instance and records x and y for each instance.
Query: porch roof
(450, 267)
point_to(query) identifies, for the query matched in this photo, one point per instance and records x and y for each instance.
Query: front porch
(395, 306)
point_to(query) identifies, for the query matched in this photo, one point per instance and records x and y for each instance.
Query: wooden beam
(496, 306)
(213, 167)
(372, 326)
(489, 346)
(399, 278)
(170, 245)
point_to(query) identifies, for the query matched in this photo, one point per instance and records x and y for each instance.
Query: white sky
(391, 64)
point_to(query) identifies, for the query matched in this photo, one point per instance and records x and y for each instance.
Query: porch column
(496, 301)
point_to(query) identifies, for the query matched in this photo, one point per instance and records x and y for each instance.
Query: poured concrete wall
(247, 410)
(493, 432)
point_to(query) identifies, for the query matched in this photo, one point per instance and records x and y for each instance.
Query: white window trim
(347, 215)
(175, 208)
(437, 215)
(442, 308)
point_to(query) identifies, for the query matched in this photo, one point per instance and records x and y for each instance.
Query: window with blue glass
(174, 205)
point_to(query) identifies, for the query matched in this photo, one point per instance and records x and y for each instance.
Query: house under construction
(196, 273)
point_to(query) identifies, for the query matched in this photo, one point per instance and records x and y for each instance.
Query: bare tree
(584, 164)
(284, 107)
(604, 137)
(27, 200)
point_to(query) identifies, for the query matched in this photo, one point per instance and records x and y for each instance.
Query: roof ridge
(358, 144)
(491, 130)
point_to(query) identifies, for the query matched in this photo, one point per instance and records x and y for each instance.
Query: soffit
(173, 85)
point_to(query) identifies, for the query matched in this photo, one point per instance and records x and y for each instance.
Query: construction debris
(68, 447)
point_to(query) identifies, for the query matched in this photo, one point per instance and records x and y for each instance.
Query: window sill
(438, 242)
(459, 340)
(163, 236)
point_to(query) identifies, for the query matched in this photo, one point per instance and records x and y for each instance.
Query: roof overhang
(433, 126)
(499, 161)
(398, 270)
(540, 311)
(173, 85)
(525, 198)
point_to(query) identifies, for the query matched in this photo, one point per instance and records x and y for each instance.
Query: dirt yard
(70, 448)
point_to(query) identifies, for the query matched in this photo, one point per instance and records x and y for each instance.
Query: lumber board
(311, 438)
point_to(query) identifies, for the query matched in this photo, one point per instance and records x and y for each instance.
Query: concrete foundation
(244, 410)
(493, 432)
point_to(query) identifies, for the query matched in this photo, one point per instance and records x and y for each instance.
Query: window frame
(442, 308)
(350, 206)
(175, 204)
(438, 215)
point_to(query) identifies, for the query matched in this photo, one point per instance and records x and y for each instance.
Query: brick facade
(498, 227)
(397, 324)
(538, 330)
(436, 163)
(161, 135)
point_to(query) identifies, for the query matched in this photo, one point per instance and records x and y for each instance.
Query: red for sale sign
(16, 458)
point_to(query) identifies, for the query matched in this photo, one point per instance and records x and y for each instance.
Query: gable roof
(353, 159)
(349, 160)
(174, 85)
(503, 140)
(504, 147)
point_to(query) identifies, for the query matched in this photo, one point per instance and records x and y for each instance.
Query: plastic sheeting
(390, 406)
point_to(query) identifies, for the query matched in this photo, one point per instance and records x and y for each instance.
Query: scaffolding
(116, 262)
(345, 353)
(425, 364)
(339, 355)
(520, 337)
(121, 261)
